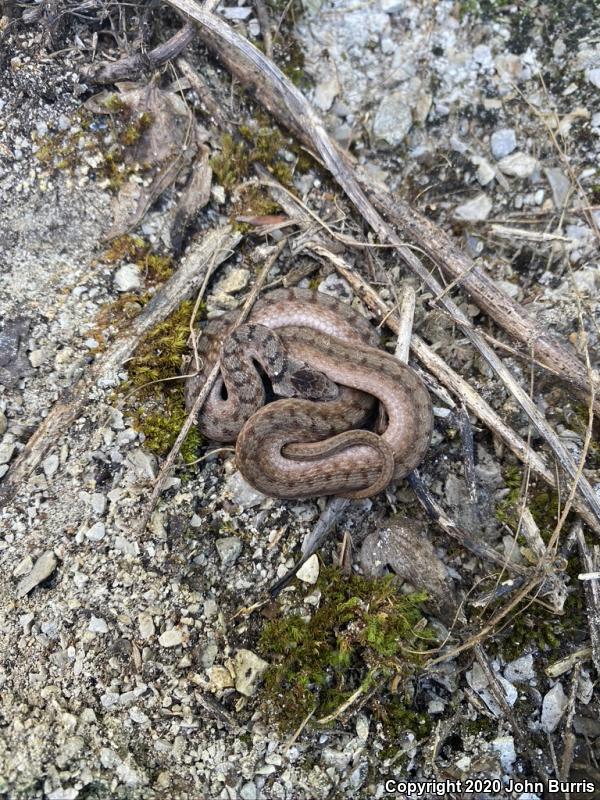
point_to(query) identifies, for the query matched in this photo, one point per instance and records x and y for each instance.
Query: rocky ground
(127, 669)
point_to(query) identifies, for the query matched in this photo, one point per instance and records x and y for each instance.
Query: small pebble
(553, 707)
(6, 451)
(98, 502)
(127, 278)
(502, 143)
(96, 533)
(42, 569)
(171, 638)
(229, 549)
(50, 465)
(475, 210)
(146, 625)
(309, 572)
(518, 165)
(249, 668)
(98, 625)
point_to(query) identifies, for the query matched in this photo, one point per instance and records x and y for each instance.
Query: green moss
(159, 409)
(259, 143)
(541, 501)
(112, 141)
(362, 630)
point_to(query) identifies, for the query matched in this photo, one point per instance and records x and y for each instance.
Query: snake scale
(322, 357)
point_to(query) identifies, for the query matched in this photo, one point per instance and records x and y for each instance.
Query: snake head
(300, 380)
(313, 385)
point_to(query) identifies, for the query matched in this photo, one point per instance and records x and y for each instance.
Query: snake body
(311, 346)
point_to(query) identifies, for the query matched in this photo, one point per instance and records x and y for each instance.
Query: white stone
(97, 625)
(50, 465)
(241, 492)
(235, 280)
(171, 638)
(229, 549)
(96, 533)
(520, 670)
(6, 451)
(519, 165)
(593, 76)
(42, 569)
(485, 172)
(325, 92)
(475, 210)
(503, 142)
(146, 625)
(127, 278)
(24, 567)
(220, 678)
(553, 707)
(309, 572)
(98, 502)
(393, 119)
(249, 668)
(505, 747)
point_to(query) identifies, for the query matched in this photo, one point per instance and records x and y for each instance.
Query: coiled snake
(322, 356)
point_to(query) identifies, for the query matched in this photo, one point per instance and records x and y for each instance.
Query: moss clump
(258, 143)
(157, 360)
(106, 143)
(363, 630)
(541, 501)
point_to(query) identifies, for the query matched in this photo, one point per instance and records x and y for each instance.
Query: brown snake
(307, 444)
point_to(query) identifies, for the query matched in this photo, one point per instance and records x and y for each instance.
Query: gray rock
(96, 533)
(229, 549)
(505, 747)
(475, 210)
(3, 423)
(24, 567)
(249, 791)
(171, 638)
(326, 92)
(6, 452)
(98, 502)
(144, 464)
(336, 286)
(520, 670)
(593, 76)
(392, 6)
(519, 165)
(97, 625)
(50, 465)
(146, 625)
(560, 185)
(393, 119)
(249, 668)
(127, 278)
(502, 143)
(553, 707)
(42, 569)
(241, 492)
(235, 280)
